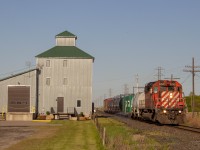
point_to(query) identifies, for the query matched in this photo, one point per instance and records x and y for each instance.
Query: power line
(197, 75)
(172, 78)
(185, 79)
(16, 71)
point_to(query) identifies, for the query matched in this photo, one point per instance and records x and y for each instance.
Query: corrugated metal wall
(28, 79)
(79, 87)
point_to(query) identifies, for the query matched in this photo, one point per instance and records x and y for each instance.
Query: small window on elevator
(48, 81)
(64, 63)
(48, 63)
(78, 103)
(65, 81)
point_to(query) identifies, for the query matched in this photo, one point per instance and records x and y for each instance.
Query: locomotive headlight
(164, 111)
(179, 111)
(170, 95)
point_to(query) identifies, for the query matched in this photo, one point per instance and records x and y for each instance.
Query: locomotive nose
(170, 95)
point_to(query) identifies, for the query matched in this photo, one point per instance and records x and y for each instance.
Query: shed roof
(18, 74)
(71, 52)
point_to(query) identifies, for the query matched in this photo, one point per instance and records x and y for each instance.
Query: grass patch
(71, 135)
(121, 137)
(193, 121)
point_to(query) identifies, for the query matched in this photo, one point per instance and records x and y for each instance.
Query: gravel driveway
(12, 132)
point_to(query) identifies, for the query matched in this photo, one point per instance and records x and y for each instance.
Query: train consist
(120, 103)
(161, 101)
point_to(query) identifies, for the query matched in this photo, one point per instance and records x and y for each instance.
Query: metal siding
(79, 74)
(23, 79)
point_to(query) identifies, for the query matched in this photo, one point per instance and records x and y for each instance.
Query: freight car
(161, 101)
(121, 103)
(107, 105)
(111, 105)
(126, 103)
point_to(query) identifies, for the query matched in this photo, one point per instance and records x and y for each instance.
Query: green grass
(72, 135)
(121, 137)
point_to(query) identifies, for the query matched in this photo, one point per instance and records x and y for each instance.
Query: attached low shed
(18, 95)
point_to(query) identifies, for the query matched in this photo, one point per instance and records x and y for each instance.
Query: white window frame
(48, 81)
(48, 63)
(65, 63)
(65, 81)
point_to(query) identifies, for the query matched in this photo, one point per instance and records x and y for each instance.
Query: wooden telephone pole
(193, 71)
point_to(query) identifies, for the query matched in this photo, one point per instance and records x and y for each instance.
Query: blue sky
(125, 37)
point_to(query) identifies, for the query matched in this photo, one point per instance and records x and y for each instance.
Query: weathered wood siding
(79, 84)
(28, 79)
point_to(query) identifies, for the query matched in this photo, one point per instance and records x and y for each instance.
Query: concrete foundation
(19, 116)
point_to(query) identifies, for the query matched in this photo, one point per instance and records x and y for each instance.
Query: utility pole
(110, 92)
(126, 89)
(137, 85)
(28, 64)
(137, 82)
(100, 101)
(104, 96)
(192, 70)
(172, 78)
(159, 74)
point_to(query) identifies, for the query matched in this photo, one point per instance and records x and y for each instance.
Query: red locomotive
(162, 101)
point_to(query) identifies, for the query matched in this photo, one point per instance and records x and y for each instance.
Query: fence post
(104, 135)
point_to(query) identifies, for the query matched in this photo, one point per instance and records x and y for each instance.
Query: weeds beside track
(159, 136)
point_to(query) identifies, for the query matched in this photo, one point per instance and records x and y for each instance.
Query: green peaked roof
(71, 52)
(66, 34)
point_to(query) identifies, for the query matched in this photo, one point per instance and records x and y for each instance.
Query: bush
(81, 114)
(47, 113)
(41, 117)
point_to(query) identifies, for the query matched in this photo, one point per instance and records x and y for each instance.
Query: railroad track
(181, 127)
(188, 128)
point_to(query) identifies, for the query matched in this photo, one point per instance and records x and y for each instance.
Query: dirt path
(12, 132)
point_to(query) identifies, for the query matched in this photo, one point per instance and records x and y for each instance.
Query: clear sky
(126, 38)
